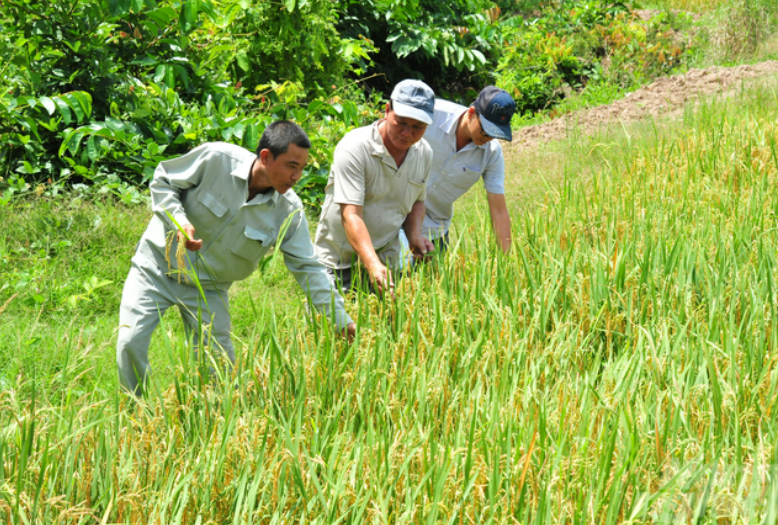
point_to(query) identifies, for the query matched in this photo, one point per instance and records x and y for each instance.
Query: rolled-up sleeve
(348, 169)
(310, 273)
(494, 174)
(170, 178)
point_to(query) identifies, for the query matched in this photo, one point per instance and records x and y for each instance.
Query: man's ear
(265, 156)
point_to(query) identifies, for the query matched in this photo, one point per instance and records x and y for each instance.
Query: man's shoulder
(356, 145)
(357, 137)
(228, 150)
(494, 148)
(424, 148)
(443, 121)
(291, 200)
(446, 107)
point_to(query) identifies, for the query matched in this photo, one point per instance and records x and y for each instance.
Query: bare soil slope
(664, 97)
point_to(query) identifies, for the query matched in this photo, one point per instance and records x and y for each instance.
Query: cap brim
(406, 111)
(495, 131)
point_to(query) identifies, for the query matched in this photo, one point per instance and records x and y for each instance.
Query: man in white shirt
(234, 205)
(377, 185)
(464, 152)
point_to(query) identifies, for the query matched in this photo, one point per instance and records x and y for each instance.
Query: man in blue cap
(377, 185)
(462, 140)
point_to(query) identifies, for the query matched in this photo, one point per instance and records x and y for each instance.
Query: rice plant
(617, 367)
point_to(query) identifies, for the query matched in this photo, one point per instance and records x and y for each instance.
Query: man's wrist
(373, 264)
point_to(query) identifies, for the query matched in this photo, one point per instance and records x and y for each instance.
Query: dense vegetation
(99, 92)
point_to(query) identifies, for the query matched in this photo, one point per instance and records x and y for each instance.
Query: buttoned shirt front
(209, 188)
(454, 172)
(364, 173)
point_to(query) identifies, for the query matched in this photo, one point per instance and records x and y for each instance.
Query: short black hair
(279, 134)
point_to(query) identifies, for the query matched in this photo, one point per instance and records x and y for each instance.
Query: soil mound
(664, 97)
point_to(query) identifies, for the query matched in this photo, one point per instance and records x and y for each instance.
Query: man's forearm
(501, 220)
(166, 199)
(502, 231)
(413, 220)
(171, 177)
(359, 238)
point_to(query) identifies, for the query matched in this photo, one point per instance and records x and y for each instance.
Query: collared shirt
(209, 188)
(454, 172)
(364, 173)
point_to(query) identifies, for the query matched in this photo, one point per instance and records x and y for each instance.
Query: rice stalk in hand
(180, 249)
(180, 255)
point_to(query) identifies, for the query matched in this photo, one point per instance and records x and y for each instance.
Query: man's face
(403, 132)
(476, 130)
(284, 171)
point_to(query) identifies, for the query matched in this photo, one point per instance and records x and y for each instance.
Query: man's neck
(397, 154)
(463, 131)
(256, 178)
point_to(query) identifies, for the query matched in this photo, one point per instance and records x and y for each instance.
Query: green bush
(450, 45)
(159, 78)
(107, 50)
(577, 43)
(263, 42)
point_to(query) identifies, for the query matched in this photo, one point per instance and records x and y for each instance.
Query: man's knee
(132, 360)
(213, 334)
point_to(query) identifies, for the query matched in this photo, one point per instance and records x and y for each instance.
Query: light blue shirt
(454, 172)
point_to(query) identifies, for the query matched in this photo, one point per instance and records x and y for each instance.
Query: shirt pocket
(464, 177)
(207, 211)
(253, 244)
(413, 190)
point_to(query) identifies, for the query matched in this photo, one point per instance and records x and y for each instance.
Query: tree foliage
(297, 42)
(444, 43)
(575, 43)
(102, 90)
(93, 89)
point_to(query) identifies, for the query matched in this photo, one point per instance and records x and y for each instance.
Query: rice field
(617, 367)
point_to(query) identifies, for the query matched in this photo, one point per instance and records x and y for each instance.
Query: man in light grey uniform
(377, 185)
(237, 203)
(464, 153)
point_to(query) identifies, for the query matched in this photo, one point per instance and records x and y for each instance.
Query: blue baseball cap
(414, 99)
(495, 107)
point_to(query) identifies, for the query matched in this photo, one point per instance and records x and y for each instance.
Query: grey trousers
(147, 294)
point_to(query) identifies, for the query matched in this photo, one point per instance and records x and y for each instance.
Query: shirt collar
(269, 197)
(377, 146)
(242, 170)
(243, 167)
(449, 127)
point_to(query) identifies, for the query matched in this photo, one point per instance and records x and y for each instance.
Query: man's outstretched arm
(419, 244)
(359, 238)
(300, 257)
(501, 220)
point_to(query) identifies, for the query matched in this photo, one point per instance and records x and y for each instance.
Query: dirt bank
(664, 97)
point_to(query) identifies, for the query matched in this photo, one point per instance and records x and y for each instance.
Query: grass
(618, 367)
(692, 6)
